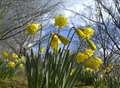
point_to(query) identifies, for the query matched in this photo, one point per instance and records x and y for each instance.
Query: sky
(80, 6)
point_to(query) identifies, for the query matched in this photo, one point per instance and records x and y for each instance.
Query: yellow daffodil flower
(5, 55)
(21, 66)
(60, 21)
(55, 42)
(80, 33)
(33, 28)
(42, 50)
(89, 52)
(91, 44)
(94, 62)
(11, 64)
(81, 57)
(85, 33)
(64, 40)
(14, 56)
(88, 31)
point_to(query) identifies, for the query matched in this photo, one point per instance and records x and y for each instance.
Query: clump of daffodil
(91, 44)
(33, 28)
(14, 56)
(94, 62)
(88, 59)
(60, 21)
(5, 55)
(85, 33)
(11, 64)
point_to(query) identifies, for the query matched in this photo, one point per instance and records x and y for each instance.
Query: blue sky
(82, 7)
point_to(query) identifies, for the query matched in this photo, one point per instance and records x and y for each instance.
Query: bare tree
(108, 30)
(17, 14)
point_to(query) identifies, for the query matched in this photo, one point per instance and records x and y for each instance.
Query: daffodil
(63, 39)
(85, 33)
(11, 64)
(80, 33)
(60, 21)
(89, 52)
(21, 66)
(14, 56)
(55, 41)
(81, 57)
(91, 44)
(42, 50)
(88, 31)
(33, 28)
(5, 55)
(94, 62)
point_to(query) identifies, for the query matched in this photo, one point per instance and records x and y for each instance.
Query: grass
(18, 81)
